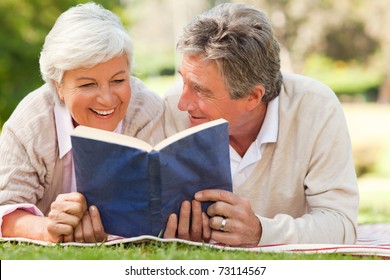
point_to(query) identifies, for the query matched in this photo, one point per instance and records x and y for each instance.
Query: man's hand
(232, 219)
(191, 225)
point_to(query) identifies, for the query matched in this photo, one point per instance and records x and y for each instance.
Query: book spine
(155, 193)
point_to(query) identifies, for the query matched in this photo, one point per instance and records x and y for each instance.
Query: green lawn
(374, 208)
(150, 251)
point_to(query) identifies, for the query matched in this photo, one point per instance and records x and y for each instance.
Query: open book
(136, 186)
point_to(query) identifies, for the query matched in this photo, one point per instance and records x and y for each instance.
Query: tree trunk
(384, 92)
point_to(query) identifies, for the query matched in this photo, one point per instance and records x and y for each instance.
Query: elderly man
(291, 162)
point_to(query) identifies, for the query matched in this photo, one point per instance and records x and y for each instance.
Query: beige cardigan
(304, 189)
(30, 168)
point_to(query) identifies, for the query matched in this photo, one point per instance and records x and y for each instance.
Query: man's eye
(201, 92)
(197, 89)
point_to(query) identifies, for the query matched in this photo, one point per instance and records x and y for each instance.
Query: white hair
(82, 37)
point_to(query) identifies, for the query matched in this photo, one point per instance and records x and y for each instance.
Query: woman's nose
(105, 96)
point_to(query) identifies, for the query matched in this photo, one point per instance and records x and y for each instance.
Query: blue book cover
(136, 186)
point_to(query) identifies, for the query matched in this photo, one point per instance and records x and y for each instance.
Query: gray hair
(240, 39)
(82, 37)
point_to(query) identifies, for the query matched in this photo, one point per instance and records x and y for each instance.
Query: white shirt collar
(65, 127)
(267, 134)
(269, 130)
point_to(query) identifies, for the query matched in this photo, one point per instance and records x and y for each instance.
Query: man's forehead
(197, 64)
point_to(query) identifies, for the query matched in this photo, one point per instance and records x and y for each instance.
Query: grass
(160, 84)
(374, 208)
(346, 79)
(150, 251)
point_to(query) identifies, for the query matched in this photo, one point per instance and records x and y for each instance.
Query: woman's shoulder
(40, 97)
(144, 103)
(144, 113)
(34, 110)
(140, 93)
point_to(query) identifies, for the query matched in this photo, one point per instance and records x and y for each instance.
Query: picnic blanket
(373, 240)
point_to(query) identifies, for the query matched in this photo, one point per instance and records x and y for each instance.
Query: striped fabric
(373, 240)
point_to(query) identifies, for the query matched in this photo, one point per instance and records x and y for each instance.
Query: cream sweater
(31, 170)
(304, 189)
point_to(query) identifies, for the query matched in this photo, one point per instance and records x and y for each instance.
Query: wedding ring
(223, 224)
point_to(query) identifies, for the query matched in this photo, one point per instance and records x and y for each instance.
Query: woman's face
(97, 97)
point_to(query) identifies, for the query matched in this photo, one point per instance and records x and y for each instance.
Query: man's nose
(187, 100)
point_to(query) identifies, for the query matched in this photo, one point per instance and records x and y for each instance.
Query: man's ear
(255, 97)
(58, 88)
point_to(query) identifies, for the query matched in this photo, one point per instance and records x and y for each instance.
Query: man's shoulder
(307, 99)
(300, 88)
(300, 83)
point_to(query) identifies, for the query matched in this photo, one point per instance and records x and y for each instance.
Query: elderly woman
(86, 64)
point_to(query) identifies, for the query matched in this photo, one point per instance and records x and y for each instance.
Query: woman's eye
(118, 81)
(87, 85)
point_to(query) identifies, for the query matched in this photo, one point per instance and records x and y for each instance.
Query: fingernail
(198, 195)
(92, 208)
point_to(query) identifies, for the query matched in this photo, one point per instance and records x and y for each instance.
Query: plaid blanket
(373, 240)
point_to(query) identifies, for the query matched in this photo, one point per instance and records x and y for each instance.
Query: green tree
(24, 25)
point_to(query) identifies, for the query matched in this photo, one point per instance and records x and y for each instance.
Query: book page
(185, 133)
(111, 137)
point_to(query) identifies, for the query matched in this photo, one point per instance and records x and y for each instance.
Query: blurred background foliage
(342, 43)
(24, 25)
(345, 44)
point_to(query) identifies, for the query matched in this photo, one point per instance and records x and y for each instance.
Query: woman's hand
(90, 229)
(69, 220)
(65, 214)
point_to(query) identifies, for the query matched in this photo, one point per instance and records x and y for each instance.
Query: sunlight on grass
(382, 167)
(370, 136)
(344, 78)
(160, 84)
(374, 200)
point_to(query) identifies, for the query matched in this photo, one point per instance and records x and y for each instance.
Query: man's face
(205, 96)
